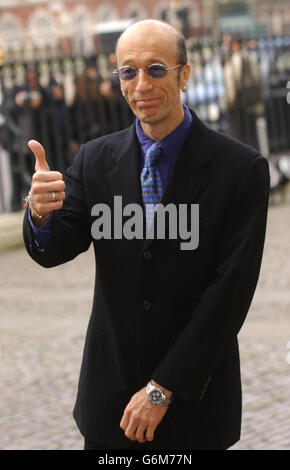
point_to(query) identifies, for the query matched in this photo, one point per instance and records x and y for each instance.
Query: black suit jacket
(160, 312)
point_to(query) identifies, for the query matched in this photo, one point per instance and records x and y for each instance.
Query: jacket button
(146, 305)
(147, 255)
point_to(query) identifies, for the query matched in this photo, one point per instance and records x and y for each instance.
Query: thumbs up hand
(39, 153)
(47, 188)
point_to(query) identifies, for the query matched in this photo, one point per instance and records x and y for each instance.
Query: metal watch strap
(165, 402)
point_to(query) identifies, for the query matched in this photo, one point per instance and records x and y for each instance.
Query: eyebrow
(149, 61)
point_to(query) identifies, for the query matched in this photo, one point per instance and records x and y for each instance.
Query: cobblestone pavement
(44, 315)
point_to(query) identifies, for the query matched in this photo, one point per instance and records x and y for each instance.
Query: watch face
(156, 396)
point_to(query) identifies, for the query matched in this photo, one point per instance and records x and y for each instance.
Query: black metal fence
(238, 88)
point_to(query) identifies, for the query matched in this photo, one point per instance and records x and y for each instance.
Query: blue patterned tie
(151, 182)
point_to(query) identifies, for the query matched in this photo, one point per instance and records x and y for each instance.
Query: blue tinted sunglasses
(127, 72)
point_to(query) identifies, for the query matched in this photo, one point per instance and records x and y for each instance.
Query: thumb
(39, 153)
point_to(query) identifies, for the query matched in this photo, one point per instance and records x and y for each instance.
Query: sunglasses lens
(156, 71)
(127, 73)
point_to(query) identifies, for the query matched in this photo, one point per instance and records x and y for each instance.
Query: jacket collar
(124, 178)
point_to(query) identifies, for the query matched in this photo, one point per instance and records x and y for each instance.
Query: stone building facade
(71, 22)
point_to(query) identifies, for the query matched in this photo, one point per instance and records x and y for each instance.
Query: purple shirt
(171, 146)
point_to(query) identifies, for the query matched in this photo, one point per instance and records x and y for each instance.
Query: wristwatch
(156, 396)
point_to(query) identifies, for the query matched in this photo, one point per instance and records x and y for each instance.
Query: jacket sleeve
(70, 226)
(196, 354)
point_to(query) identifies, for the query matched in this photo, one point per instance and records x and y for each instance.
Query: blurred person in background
(243, 91)
(84, 110)
(58, 127)
(111, 105)
(6, 189)
(24, 107)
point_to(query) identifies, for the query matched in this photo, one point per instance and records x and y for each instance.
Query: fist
(47, 190)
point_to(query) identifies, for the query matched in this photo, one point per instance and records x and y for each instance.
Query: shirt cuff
(41, 234)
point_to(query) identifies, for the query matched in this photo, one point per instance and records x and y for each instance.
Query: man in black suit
(160, 368)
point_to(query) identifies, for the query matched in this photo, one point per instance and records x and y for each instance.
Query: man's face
(151, 99)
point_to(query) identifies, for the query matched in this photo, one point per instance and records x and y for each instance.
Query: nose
(143, 82)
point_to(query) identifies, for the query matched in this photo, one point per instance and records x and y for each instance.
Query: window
(82, 35)
(106, 12)
(42, 28)
(11, 31)
(136, 11)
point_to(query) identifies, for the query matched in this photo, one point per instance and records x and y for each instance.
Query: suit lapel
(124, 178)
(189, 175)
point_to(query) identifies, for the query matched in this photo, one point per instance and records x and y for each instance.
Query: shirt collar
(172, 143)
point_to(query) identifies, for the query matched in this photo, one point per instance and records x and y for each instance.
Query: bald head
(155, 100)
(156, 27)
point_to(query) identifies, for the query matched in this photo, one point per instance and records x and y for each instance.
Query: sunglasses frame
(164, 67)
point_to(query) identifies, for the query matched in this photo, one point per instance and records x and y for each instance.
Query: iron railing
(238, 88)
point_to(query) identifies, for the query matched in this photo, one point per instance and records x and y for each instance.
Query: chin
(148, 119)
(149, 115)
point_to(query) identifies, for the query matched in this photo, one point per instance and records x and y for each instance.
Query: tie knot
(152, 154)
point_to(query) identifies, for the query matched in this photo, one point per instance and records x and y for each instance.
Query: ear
(184, 76)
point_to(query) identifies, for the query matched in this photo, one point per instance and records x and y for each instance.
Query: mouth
(146, 102)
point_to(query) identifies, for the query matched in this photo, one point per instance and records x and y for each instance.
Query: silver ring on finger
(54, 196)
